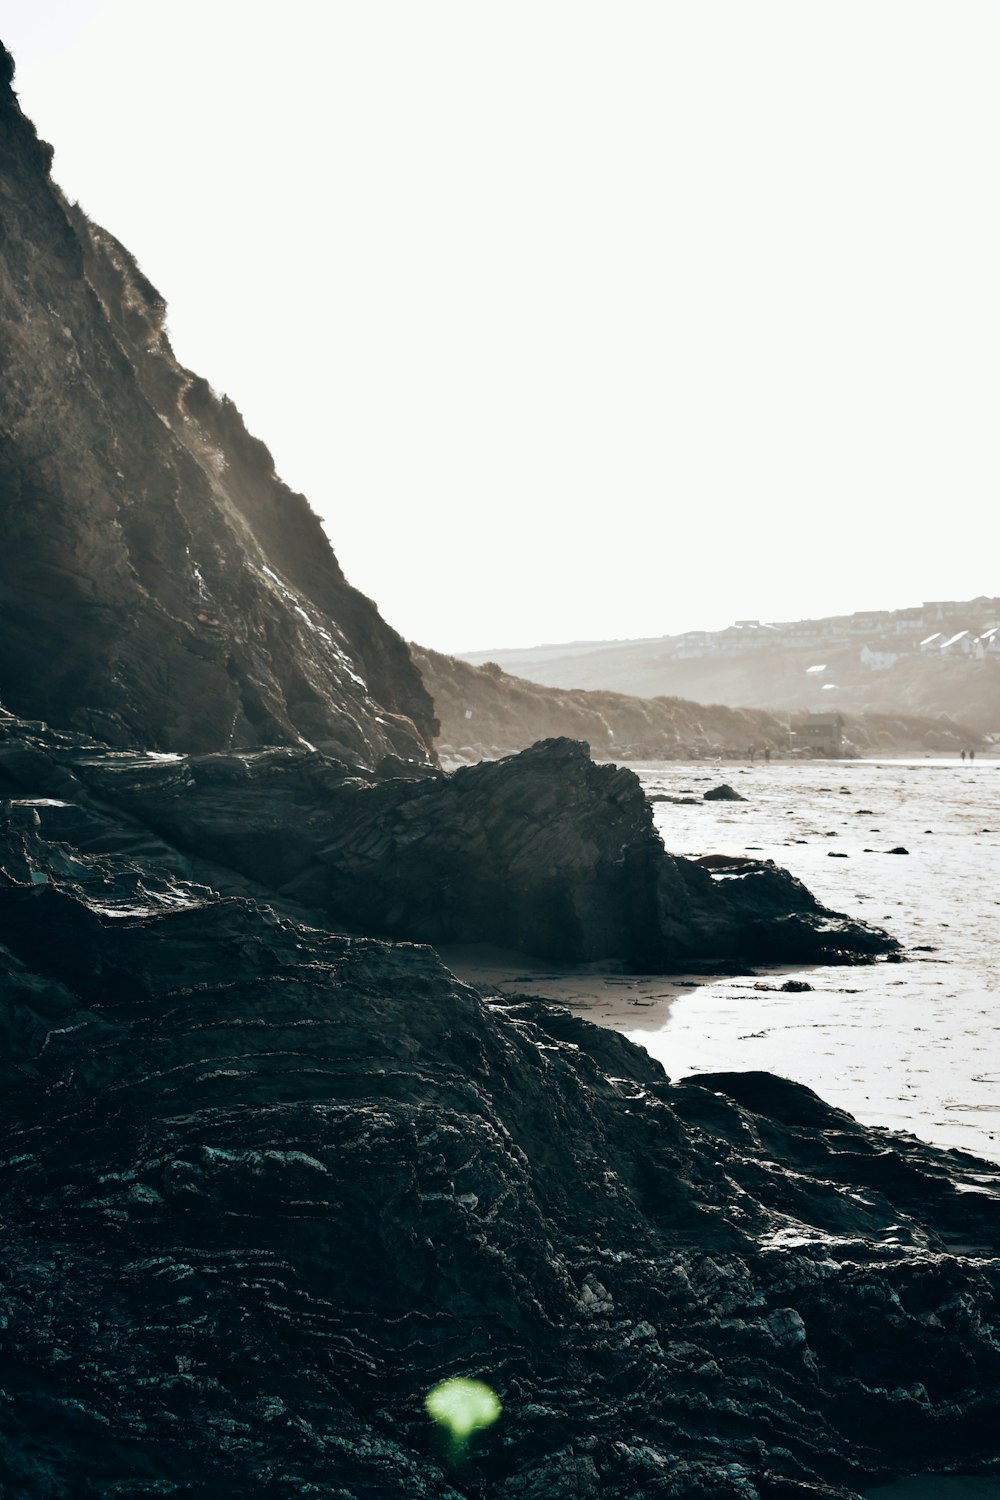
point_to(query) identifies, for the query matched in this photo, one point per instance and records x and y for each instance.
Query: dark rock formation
(546, 851)
(263, 1183)
(723, 793)
(262, 1186)
(160, 585)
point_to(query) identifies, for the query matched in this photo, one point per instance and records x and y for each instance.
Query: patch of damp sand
(911, 1046)
(600, 992)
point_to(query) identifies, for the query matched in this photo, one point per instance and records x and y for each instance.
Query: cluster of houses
(951, 629)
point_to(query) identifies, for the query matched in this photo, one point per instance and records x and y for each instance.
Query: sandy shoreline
(912, 1046)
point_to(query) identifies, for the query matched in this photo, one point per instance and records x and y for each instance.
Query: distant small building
(931, 642)
(693, 643)
(960, 644)
(988, 645)
(864, 621)
(878, 661)
(820, 734)
(908, 621)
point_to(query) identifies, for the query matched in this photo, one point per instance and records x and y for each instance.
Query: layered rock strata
(263, 1183)
(544, 851)
(261, 1186)
(160, 585)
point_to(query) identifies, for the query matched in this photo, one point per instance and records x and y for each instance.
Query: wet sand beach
(913, 1046)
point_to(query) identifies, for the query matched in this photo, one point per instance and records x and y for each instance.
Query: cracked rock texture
(262, 1185)
(160, 586)
(266, 1177)
(545, 851)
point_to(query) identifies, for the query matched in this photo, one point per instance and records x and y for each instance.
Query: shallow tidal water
(913, 1046)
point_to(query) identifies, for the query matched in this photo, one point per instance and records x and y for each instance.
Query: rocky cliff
(160, 585)
(265, 1177)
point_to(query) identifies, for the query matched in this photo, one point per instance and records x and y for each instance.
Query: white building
(878, 661)
(694, 643)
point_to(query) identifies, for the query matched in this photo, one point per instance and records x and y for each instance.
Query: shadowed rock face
(545, 851)
(262, 1185)
(160, 585)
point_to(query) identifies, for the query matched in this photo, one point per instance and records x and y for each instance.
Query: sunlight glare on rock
(463, 1406)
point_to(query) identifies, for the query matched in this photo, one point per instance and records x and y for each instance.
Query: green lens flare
(463, 1406)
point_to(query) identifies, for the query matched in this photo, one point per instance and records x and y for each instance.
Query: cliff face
(264, 1182)
(160, 585)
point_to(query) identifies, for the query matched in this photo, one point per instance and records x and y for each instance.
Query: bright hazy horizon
(573, 321)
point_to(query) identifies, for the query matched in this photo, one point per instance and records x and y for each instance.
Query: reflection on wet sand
(626, 1002)
(911, 1046)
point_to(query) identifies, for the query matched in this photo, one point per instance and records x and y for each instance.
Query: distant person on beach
(767, 755)
(751, 752)
(972, 754)
(963, 754)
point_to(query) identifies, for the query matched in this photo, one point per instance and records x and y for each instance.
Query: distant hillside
(939, 658)
(485, 712)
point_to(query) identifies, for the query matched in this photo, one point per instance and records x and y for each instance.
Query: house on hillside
(746, 635)
(692, 644)
(960, 644)
(865, 621)
(878, 661)
(820, 734)
(908, 621)
(987, 647)
(931, 642)
(940, 609)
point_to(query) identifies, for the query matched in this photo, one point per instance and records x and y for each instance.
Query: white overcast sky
(573, 320)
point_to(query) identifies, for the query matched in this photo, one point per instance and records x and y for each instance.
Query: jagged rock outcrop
(263, 1183)
(261, 1186)
(160, 586)
(544, 851)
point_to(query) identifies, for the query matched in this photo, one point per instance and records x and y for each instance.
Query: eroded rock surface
(160, 585)
(263, 1182)
(544, 851)
(262, 1185)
